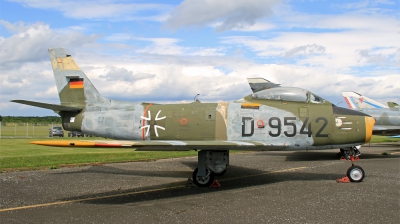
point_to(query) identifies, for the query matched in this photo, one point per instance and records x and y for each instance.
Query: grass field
(18, 154)
(26, 130)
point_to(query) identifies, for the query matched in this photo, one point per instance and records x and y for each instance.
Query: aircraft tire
(206, 182)
(355, 174)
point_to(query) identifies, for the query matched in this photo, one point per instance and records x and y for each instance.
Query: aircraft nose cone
(369, 126)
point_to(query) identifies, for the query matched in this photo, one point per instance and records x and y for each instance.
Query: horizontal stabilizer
(54, 107)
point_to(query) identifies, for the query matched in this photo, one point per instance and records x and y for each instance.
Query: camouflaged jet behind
(270, 119)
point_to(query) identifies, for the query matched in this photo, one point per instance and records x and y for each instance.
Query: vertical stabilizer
(258, 84)
(74, 88)
(393, 105)
(358, 101)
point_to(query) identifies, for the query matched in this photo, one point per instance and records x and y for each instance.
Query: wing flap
(385, 127)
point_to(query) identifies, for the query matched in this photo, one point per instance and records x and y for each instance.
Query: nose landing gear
(354, 173)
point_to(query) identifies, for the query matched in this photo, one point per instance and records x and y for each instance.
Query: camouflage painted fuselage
(251, 120)
(296, 125)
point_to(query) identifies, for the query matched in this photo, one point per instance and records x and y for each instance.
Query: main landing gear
(354, 173)
(210, 164)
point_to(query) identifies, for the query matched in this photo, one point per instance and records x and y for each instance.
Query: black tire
(355, 174)
(203, 182)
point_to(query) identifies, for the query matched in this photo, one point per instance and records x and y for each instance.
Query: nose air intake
(369, 125)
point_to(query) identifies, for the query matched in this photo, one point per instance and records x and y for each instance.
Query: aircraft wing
(54, 107)
(167, 145)
(385, 127)
(386, 130)
(258, 84)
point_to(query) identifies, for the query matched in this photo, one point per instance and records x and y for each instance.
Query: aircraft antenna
(195, 100)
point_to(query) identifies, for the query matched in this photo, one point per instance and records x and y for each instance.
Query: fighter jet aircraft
(284, 118)
(387, 118)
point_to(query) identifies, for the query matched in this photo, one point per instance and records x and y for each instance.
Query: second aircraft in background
(387, 117)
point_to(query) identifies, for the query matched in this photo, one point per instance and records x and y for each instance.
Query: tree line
(42, 120)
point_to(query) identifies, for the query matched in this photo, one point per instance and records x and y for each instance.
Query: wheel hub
(356, 174)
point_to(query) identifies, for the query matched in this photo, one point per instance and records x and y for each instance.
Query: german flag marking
(76, 84)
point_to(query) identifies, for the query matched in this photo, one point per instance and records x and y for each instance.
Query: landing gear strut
(354, 173)
(210, 164)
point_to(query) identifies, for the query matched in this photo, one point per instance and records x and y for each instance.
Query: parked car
(56, 131)
(75, 134)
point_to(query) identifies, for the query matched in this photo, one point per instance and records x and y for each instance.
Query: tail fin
(393, 105)
(358, 101)
(258, 84)
(74, 88)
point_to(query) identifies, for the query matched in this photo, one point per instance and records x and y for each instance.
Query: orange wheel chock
(215, 184)
(344, 179)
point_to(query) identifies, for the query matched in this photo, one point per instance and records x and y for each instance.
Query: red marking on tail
(348, 103)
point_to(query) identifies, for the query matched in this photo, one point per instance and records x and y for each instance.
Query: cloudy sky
(169, 51)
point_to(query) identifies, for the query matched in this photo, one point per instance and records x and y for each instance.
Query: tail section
(258, 84)
(358, 101)
(74, 88)
(393, 105)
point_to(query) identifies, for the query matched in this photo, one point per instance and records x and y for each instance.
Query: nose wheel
(355, 173)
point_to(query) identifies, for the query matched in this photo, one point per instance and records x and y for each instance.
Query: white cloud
(326, 54)
(339, 46)
(121, 74)
(308, 49)
(29, 41)
(227, 14)
(166, 46)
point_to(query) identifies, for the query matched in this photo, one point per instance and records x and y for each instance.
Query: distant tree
(34, 120)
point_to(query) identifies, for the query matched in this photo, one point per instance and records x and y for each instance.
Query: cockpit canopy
(288, 94)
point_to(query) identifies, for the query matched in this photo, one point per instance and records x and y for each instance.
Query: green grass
(18, 154)
(380, 139)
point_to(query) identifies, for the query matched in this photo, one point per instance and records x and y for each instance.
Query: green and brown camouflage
(292, 118)
(393, 105)
(271, 118)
